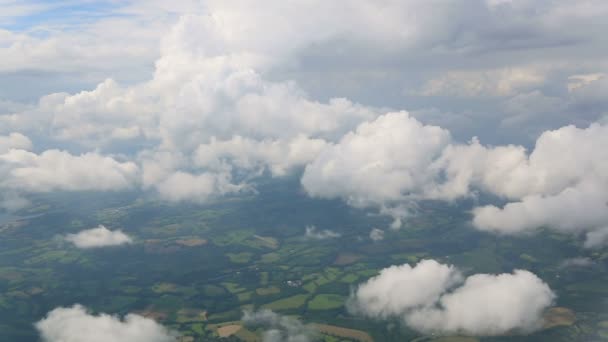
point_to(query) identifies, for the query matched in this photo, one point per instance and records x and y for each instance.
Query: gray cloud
(576, 262)
(12, 201)
(313, 233)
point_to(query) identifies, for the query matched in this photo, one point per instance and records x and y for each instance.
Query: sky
(378, 103)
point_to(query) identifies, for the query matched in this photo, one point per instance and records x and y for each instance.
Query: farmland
(196, 268)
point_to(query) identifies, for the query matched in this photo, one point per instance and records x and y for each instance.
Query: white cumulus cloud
(98, 237)
(394, 160)
(14, 141)
(435, 298)
(76, 324)
(54, 170)
(380, 163)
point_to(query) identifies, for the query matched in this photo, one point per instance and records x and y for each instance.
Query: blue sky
(64, 14)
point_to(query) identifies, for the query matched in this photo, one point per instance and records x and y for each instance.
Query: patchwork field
(192, 267)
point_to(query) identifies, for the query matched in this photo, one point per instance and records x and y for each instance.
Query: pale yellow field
(333, 330)
(229, 330)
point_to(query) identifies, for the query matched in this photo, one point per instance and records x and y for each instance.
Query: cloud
(14, 141)
(488, 305)
(597, 238)
(182, 186)
(103, 40)
(435, 298)
(545, 193)
(247, 154)
(59, 170)
(498, 82)
(313, 233)
(517, 174)
(576, 262)
(401, 288)
(394, 160)
(205, 103)
(378, 164)
(98, 237)
(11, 201)
(536, 211)
(71, 324)
(237, 91)
(376, 234)
(279, 328)
(432, 166)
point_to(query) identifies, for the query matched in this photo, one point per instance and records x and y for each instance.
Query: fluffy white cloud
(561, 184)
(94, 118)
(98, 237)
(488, 305)
(181, 186)
(386, 163)
(59, 170)
(510, 172)
(22, 172)
(398, 289)
(208, 103)
(391, 160)
(279, 328)
(313, 233)
(247, 154)
(75, 323)
(587, 202)
(380, 163)
(14, 141)
(425, 298)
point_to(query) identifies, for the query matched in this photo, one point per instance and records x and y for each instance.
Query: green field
(239, 258)
(326, 302)
(293, 302)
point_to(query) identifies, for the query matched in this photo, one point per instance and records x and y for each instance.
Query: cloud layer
(71, 324)
(237, 91)
(395, 160)
(436, 298)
